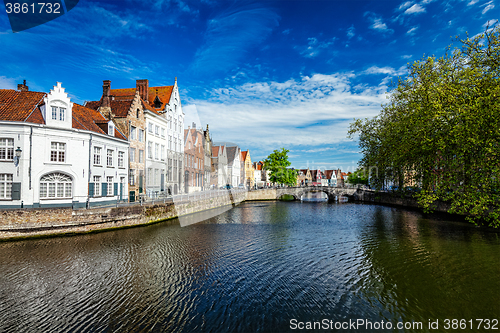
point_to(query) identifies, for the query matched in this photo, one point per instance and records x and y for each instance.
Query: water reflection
(253, 268)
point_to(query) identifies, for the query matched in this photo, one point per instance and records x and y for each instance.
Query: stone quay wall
(39, 222)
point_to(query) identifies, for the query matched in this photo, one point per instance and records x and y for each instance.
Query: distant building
(56, 153)
(194, 160)
(247, 169)
(233, 165)
(219, 174)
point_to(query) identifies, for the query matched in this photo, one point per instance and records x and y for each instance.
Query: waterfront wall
(393, 199)
(266, 194)
(20, 223)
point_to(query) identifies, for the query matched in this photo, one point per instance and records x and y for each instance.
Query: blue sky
(262, 74)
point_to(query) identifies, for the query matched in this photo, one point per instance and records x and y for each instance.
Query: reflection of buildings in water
(315, 196)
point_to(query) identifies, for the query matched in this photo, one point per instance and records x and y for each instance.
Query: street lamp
(17, 156)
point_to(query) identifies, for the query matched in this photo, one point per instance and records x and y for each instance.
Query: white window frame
(58, 153)
(121, 159)
(157, 148)
(6, 149)
(97, 155)
(132, 154)
(133, 133)
(62, 114)
(6, 186)
(109, 158)
(109, 180)
(97, 186)
(150, 150)
(56, 186)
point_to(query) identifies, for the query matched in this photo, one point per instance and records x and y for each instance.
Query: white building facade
(65, 159)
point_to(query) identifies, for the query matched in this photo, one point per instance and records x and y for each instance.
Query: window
(133, 133)
(5, 186)
(163, 152)
(111, 130)
(170, 142)
(150, 128)
(109, 160)
(141, 135)
(97, 186)
(56, 186)
(137, 113)
(131, 175)
(132, 154)
(109, 180)
(149, 178)
(141, 156)
(57, 152)
(157, 148)
(162, 132)
(150, 149)
(97, 155)
(54, 113)
(6, 149)
(157, 130)
(121, 156)
(157, 176)
(62, 112)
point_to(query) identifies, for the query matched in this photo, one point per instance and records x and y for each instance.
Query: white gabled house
(69, 155)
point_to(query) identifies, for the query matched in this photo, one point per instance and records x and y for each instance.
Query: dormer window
(111, 130)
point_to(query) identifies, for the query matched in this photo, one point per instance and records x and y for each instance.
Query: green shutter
(116, 188)
(16, 191)
(91, 190)
(104, 189)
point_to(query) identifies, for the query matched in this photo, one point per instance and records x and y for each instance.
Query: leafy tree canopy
(277, 163)
(440, 130)
(360, 176)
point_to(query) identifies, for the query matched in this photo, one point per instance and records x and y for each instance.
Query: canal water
(259, 267)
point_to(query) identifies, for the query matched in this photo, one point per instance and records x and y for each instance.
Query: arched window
(56, 186)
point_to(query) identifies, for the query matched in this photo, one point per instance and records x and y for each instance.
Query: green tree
(441, 130)
(359, 176)
(277, 163)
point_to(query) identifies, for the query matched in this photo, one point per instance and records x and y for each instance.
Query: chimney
(106, 87)
(194, 125)
(142, 86)
(23, 86)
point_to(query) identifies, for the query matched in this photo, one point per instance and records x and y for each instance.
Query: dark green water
(260, 267)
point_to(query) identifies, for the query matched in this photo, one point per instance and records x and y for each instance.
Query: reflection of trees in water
(429, 269)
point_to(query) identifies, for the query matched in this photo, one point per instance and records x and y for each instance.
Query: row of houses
(321, 178)
(130, 143)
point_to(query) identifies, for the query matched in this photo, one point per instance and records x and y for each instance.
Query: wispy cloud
(314, 110)
(412, 31)
(315, 47)
(377, 23)
(472, 2)
(351, 32)
(231, 35)
(385, 70)
(487, 7)
(415, 9)
(7, 83)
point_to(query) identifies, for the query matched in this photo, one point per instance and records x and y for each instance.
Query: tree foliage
(441, 130)
(359, 176)
(277, 163)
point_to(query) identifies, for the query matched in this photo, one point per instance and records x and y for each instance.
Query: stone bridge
(331, 192)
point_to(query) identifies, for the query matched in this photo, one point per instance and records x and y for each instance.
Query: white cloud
(415, 9)
(488, 6)
(412, 31)
(351, 32)
(315, 47)
(379, 25)
(312, 111)
(405, 5)
(7, 83)
(385, 70)
(407, 56)
(472, 2)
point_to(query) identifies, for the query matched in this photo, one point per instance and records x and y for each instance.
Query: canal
(259, 267)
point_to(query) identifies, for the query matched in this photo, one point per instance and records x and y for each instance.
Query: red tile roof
(215, 151)
(19, 105)
(244, 155)
(25, 106)
(163, 92)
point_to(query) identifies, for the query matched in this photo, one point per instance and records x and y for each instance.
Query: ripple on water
(252, 269)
